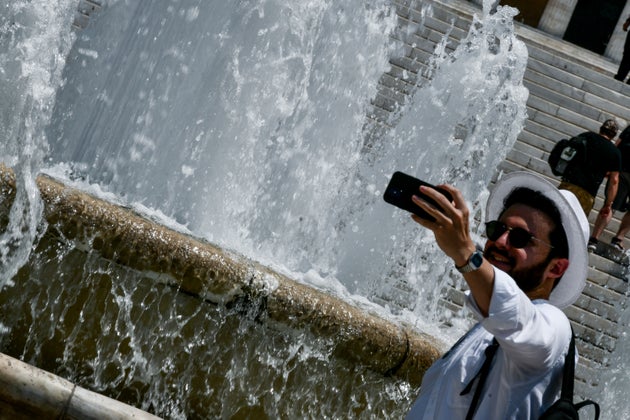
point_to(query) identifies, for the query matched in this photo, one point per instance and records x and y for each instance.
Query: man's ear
(557, 267)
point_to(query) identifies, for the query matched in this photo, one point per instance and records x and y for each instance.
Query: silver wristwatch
(474, 262)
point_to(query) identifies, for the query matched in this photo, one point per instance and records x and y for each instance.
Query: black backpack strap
(588, 402)
(567, 379)
(482, 375)
(569, 371)
(566, 393)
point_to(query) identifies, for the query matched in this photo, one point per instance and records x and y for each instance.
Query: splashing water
(456, 129)
(254, 139)
(35, 44)
(245, 123)
(242, 136)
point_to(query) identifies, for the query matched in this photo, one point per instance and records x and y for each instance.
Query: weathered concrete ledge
(199, 268)
(27, 392)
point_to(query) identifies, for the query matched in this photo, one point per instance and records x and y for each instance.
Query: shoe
(617, 243)
(592, 244)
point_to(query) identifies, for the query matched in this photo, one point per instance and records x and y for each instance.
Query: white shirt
(526, 374)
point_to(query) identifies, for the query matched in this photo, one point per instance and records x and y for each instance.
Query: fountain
(242, 124)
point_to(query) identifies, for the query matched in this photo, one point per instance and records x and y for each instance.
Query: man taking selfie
(534, 263)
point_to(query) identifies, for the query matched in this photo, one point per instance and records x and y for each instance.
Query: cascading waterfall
(254, 139)
(243, 123)
(34, 46)
(261, 126)
(456, 129)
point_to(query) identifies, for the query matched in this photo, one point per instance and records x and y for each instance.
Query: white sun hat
(574, 222)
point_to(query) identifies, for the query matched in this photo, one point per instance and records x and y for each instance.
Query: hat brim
(574, 221)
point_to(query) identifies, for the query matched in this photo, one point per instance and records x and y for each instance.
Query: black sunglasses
(517, 237)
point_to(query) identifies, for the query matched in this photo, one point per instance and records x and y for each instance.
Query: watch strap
(474, 262)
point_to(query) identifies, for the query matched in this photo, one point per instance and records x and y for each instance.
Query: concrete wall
(28, 393)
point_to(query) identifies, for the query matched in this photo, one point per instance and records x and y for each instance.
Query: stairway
(571, 90)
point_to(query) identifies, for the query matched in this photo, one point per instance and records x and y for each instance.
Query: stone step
(565, 56)
(84, 10)
(586, 112)
(611, 254)
(576, 102)
(571, 86)
(558, 86)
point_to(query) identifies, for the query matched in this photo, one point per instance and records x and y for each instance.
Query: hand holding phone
(402, 187)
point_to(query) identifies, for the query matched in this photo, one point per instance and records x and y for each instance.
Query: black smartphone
(402, 187)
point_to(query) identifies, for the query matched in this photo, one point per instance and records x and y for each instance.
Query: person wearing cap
(533, 265)
(602, 159)
(621, 202)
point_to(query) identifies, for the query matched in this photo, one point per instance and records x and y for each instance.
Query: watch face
(476, 259)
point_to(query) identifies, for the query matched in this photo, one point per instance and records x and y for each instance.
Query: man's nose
(503, 240)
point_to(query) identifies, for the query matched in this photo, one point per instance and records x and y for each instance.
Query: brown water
(116, 332)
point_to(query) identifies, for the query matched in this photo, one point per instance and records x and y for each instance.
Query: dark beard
(529, 278)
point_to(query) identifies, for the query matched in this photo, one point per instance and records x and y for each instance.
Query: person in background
(534, 264)
(624, 66)
(621, 202)
(602, 160)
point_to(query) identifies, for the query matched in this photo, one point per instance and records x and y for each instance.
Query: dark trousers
(624, 66)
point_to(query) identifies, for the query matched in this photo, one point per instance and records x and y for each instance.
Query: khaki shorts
(584, 197)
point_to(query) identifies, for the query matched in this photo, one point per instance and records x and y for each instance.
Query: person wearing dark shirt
(622, 199)
(602, 160)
